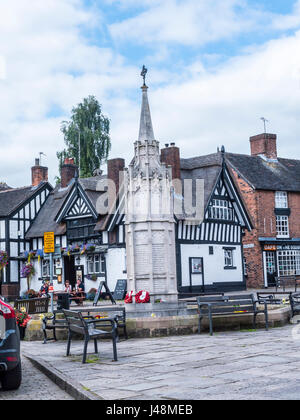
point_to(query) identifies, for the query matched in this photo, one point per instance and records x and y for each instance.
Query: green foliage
(92, 128)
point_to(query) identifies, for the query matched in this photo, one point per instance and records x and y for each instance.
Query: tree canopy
(86, 137)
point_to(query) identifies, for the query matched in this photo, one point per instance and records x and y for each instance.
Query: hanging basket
(3, 259)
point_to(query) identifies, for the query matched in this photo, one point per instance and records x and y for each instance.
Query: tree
(87, 137)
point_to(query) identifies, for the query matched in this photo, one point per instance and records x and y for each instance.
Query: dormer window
(220, 210)
(281, 200)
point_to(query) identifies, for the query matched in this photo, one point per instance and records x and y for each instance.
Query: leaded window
(96, 264)
(221, 210)
(289, 263)
(282, 226)
(80, 229)
(281, 200)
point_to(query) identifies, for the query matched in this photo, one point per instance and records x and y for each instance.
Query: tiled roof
(11, 199)
(261, 174)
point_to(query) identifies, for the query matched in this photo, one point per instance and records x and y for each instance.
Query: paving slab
(230, 365)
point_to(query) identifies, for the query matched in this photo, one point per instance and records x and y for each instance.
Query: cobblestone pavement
(35, 386)
(230, 365)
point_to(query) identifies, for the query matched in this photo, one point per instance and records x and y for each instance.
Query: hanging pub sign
(49, 244)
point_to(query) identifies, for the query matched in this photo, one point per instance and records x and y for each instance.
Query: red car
(10, 359)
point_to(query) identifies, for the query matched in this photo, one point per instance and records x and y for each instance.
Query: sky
(215, 67)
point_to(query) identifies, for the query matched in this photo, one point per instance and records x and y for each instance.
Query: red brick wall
(261, 205)
(171, 157)
(294, 219)
(264, 144)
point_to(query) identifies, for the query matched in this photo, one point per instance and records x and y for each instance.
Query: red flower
(142, 297)
(128, 298)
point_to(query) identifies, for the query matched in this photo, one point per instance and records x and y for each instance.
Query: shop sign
(270, 248)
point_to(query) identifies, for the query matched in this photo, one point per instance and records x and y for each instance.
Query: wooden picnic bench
(210, 307)
(118, 313)
(88, 328)
(286, 281)
(33, 306)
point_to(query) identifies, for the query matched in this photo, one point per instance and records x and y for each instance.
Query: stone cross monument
(150, 224)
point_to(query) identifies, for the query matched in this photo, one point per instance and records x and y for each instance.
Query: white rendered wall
(115, 266)
(214, 271)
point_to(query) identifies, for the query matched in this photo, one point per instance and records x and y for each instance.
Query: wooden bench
(229, 305)
(33, 306)
(295, 303)
(286, 281)
(89, 330)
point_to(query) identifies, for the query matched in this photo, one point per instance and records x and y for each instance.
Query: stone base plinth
(146, 310)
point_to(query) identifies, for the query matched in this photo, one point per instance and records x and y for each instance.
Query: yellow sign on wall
(49, 243)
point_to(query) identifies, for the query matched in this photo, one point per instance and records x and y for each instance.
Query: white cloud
(51, 65)
(188, 22)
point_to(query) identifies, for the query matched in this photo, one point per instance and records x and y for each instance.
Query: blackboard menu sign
(120, 290)
(99, 291)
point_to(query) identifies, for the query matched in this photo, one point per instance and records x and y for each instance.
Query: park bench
(53, 323)
(118, 313)
(295, 303)
(210, 307)
(286, 281)
(273, 298)
(88, 328)
(33, 306)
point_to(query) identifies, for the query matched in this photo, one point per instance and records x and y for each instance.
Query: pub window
(289, 263)
(282, 226)
(229, 258)
(96, 264)
(221, 210)
(80, 229)
(281, 200)
(46, 268)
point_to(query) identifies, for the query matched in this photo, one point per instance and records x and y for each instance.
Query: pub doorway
(70, 270)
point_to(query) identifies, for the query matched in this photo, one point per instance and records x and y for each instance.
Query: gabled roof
(262, 174)
(12, 199)
(207, 168)
(57, 200)
(211, 168)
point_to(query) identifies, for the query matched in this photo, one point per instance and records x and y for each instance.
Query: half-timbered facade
(210, 255)
(84, 247)
(19, 208)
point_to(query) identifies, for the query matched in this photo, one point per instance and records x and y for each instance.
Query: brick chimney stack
(171, 157)
(38, 174)
(114, 168)
(68, 172)
(264, 144)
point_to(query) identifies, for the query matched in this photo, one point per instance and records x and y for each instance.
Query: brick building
(270, 187)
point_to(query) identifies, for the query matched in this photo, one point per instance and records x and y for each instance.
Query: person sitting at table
(79, 292)
(68, 287)
(44, 290)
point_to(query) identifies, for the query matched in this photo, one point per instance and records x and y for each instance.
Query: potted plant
(22, 319)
